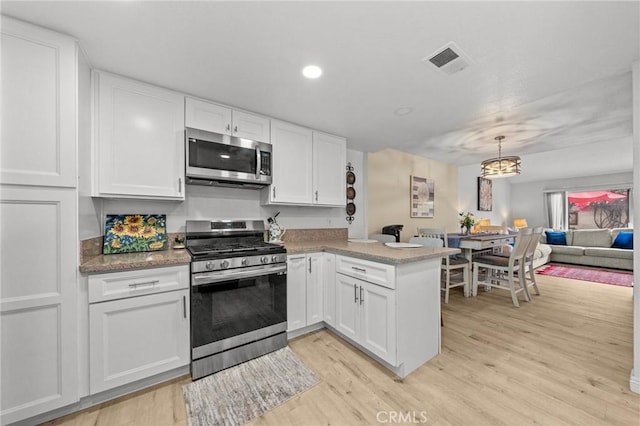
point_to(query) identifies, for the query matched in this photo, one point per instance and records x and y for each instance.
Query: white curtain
(557, 210)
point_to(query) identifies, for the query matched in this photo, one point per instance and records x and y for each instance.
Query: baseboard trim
(634, 382)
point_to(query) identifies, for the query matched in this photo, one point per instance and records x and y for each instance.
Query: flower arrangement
(132, 233)
(467, 220)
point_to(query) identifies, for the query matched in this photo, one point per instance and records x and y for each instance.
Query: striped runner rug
(238, 394)
(604, 276)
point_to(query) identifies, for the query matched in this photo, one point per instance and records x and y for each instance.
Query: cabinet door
(251, 126)
(138, 337)
(315, 299)
(329, 162)
(329, 293)
(296, 292)
(38, 106)
(347, 310)
(39, 338)
(292, 164)
(378, 321)
(207, 116)
(140, 139)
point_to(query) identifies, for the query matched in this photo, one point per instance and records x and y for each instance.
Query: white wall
(468, 196)
(358, 228)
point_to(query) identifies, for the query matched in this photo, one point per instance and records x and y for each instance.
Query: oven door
(233, 307)
(222, 157)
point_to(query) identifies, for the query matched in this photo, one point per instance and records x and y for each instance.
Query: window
(589, 209)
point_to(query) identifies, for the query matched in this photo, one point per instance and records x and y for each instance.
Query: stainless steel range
(238, 294)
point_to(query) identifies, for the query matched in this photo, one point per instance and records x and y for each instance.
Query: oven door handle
(221, 276)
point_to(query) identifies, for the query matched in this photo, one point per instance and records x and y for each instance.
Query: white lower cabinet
(366, 314)
(304, 290)
(329, 288)
(136, 337)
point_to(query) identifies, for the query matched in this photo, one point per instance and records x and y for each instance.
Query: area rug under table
(604, 276)
(238, 394)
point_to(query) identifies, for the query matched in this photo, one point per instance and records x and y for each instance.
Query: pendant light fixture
(501, 166)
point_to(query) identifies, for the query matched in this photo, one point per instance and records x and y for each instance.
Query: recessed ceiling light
(312, 71)
(403, 111)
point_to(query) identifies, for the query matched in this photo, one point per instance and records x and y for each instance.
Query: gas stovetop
(207, 240)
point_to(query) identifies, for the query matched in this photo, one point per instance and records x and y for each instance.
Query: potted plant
(466, 222)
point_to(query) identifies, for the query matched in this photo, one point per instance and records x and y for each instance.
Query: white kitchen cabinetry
(366, 314)
(38, 221)
(292, 163)
(304, 290)
(38, 106)
(138, 139)
(329, 161)
(390, 311)
(224, 120)
(38, 306)
(329, 288)
(308, 167)
(138, 325)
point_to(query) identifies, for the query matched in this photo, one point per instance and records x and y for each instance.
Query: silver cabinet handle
(179, 185)
(134, 286)
(316, 196)
(228, 127)
(258, 162)
(361, 296)
(184, 306)
(355, 293)
(235, 129)
(309, 265)
(364, 271)
(274, 192)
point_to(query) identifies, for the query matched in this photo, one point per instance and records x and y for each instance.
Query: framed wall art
(485, 196)
(422, 197)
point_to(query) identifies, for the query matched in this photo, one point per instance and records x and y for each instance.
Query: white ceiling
(547, 75)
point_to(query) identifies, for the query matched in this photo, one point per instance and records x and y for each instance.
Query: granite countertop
(302, 241)
(125, 261)
(376, 252)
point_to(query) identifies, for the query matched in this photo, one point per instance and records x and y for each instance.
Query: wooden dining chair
(450, 264)
(385, 238)
(527, 265)
(502, 272)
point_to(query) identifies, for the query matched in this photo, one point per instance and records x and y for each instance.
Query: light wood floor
(563, 359)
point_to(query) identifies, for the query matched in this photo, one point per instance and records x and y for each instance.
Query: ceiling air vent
(449, 59)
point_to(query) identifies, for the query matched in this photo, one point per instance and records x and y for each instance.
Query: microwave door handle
(258, 162)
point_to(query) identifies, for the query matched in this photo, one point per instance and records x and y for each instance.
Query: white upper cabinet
(329, 162)
(139, 139)
(221, 119)
(292, 162)
(38, 106)
(308, 167)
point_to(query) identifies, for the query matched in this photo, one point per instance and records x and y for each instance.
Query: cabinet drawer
(118, 285)
(373, 272)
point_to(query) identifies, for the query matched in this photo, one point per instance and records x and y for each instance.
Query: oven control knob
(264, 259)
(224, 264)
(274, 259)
(209, 265)
(244, 262)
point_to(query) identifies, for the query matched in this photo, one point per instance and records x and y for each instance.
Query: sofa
(591, 247)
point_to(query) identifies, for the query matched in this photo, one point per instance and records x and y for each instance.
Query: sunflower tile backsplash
(126, 233)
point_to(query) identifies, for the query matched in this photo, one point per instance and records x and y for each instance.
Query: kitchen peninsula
(383, 300)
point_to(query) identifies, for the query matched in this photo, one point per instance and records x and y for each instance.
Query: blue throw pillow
(624, 240)
(557, 238)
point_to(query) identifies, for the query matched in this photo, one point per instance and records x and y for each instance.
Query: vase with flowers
(466, 222)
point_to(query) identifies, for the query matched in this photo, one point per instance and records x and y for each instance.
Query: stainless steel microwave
(223, 160)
